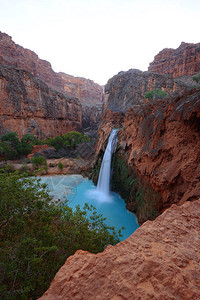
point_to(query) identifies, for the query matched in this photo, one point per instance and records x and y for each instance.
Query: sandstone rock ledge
(159, 261)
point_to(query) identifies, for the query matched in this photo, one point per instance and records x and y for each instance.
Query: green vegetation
(67, 141)
(139, 196)
(155, 94)
(37, 235)
(39, 163)
(60, 166)
(12, 148)
(196, 78)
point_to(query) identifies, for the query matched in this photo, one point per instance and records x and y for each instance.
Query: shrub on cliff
(37, 235)
(196, 78)
(155, 94)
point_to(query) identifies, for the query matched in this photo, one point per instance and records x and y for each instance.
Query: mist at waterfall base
(78, 191)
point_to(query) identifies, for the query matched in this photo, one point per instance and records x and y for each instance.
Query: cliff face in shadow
(28, 105)
(87, 91)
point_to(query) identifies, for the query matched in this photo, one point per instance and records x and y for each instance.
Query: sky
(96, 39)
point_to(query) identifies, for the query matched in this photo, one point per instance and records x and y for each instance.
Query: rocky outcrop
(177, 62)
(28, 105)
(89, 93)
(158, 140)
(127, 89)
(15, 55)
(160, 260)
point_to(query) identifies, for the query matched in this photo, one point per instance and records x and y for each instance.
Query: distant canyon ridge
(37, 100)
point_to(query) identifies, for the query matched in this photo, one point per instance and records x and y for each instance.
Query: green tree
(37, 235)
(29, 138)
(7, 151)
(39, 161)
(11, 147)
(68, 141)
(155, 94)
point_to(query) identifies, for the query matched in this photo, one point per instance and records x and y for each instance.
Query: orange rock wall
(178, 62)
(87, 91)
(160, 260)
(160, 141)
(28, 105)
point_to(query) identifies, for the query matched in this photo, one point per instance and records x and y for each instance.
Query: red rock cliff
(89, 93)
(178, 62)
(28, 105)
(158, 139)
(158, 261)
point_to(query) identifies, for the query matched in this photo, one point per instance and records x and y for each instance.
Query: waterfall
(103, 184)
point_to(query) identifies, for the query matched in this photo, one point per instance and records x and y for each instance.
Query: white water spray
(102, 193)
(103, 184)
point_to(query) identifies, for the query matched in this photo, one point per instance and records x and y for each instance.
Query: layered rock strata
(158, 261)
(87, 91)
(178, 62)
(127, 89)
(158, 139)
(28, 105)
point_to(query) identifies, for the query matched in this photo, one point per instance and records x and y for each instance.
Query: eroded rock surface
(178, 62)
(160, 141)
(127, 89)
(28, 105)
(158, 261)
(87, 91)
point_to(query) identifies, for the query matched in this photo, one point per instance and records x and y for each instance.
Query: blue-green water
(78, 191)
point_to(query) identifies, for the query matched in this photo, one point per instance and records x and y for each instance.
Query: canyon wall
(178, 62)
(89, 93)
(28, 105)
(159, 261)
(158, 140)
(127, 89)
(156, 169)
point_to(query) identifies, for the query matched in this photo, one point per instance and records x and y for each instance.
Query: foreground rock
(158, 261)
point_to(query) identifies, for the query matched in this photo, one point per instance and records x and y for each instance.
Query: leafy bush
(60, 166)
(39, 161)
(11, 147)
(37, 235)
(26, 138)
(155, 94)
(68, 141)
(196, 78)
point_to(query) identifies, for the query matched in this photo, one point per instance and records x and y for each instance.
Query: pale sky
(96, 39)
